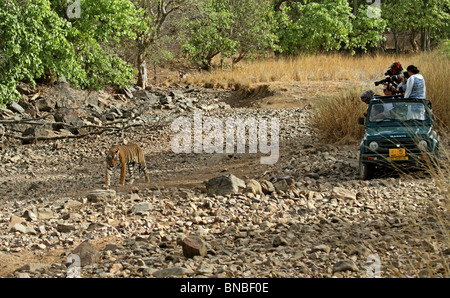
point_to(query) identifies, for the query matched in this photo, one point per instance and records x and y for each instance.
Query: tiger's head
(112, 158)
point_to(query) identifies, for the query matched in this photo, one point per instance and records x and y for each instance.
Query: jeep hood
(398, 131)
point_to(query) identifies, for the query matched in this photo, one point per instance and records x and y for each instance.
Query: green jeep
(397, 131)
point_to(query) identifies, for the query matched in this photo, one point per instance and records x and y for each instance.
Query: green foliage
(326, 26)
(230, 28)
(430, 18)
(37, 40)
(32, 43)
(367, 30)
(210, 34)
(445, 47)
(100, 23)
(314, 27)
(154, 34)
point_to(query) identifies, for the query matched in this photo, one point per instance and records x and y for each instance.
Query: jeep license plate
(397, 154)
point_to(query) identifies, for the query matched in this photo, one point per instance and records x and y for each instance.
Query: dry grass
(332, 67)
(336, 118)
(435, 68)
(302, 69)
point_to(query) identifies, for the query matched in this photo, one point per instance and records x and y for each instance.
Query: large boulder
(193, 246)
(68, 116)
(224, 185)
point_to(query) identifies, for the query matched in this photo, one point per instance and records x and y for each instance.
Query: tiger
(127, 156)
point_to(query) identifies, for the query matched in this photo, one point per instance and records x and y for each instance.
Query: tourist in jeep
(415, 85)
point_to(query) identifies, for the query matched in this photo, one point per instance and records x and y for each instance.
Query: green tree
(314, 26)
(367, 29)
(252, 28)
(33, 44)
(433, 21)
(39, 40)
(150, 35)
(100, 23)
(429, 18)
(233, 29)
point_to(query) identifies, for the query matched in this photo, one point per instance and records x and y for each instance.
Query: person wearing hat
(415, 85)
(366, 97)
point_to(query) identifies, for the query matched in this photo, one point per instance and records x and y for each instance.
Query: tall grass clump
(435, 68)
(336, 118)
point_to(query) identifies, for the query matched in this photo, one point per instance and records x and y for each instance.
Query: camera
(395, 78)
(386, 80)
(399, 76)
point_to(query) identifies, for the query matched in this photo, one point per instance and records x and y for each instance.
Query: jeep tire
(366, 170)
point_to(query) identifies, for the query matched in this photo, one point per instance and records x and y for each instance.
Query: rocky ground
(308, 215)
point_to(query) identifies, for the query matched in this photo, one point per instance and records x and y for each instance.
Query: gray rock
(15, 107)
(141, 207)
(113, 247)
(18, 227)
(43, 131)
(176, 94)
(193, 246)
(87, 253)
(45, 213)
(141, 94)
(343, 194)
(224, 185)
(168, 272)
(22, 275)
(101, 195)
(321, 247)
(267, 187)
(30, 215)
(33, 267)
(129, 92)
(344, 266)
(279, 241)
(45, 105)
(65, 228)
(253, 187)
(68, 116)
(281, 185)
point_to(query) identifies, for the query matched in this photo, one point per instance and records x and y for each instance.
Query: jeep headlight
(422, 145)
(373, 146)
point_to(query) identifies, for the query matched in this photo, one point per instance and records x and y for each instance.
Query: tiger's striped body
(127, 156)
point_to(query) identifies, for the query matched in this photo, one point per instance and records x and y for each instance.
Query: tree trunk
(355, 7)
(142, 75)
(397, 47)
(428, 40)
(412, 40)
(425, 40)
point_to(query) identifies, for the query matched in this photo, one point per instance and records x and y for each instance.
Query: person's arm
(409, 86)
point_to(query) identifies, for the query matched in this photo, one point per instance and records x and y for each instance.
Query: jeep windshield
(398, 110)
